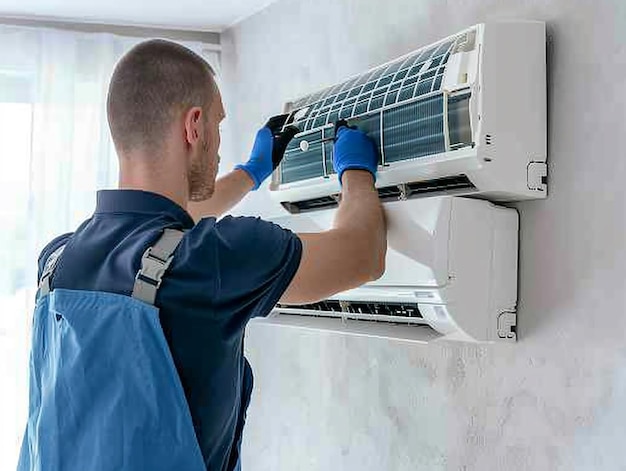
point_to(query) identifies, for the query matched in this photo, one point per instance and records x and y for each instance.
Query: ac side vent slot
(447, 184)
(389, 192)
(310, 205)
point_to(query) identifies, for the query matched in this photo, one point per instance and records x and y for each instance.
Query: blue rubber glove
(268, 149)
(353, 150)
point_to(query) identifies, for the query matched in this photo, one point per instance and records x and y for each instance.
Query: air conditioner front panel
(451, 265)
(418, 233)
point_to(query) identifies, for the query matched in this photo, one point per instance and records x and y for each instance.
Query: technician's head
(164, 103)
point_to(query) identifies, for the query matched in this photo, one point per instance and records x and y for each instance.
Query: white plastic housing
(455, 257)
(505, 70)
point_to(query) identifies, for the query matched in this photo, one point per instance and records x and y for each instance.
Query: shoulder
(252, 230)
(53, 245)
(241, 243)
(240, 264)
(256, 261)
(247, 241)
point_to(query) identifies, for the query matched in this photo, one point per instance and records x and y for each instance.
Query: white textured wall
(554, 401)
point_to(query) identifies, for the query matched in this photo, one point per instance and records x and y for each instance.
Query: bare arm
(229, 190)
(351, 253)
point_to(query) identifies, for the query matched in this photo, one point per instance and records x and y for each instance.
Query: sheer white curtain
(55, 153)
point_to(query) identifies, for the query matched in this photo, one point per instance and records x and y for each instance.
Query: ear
(193, 125)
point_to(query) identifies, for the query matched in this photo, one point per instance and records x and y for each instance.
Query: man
(104, 394)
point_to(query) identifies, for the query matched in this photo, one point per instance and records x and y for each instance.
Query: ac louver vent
(361, 310)
(447, 185)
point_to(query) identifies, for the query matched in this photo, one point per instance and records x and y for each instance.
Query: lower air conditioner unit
(464, 116)
(451, 272)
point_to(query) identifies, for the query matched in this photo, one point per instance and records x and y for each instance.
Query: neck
(167, 178)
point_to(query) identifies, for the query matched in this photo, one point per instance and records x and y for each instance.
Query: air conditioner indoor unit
(464, 116)
(458, 123)
(451, 270)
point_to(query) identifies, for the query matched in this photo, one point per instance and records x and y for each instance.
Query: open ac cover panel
(465, 116)
(451, 270)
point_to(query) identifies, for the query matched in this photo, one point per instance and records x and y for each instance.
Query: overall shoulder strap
(48, 270)
(154, 262)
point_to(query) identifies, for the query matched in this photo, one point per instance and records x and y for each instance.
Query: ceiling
(200, 15)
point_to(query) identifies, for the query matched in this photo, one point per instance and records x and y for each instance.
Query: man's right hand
(353, 150)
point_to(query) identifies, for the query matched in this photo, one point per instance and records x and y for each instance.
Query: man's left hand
(268, 149)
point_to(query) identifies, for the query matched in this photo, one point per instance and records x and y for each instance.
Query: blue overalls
(104, 392)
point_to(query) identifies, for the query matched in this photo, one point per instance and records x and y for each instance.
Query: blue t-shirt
(223, 274)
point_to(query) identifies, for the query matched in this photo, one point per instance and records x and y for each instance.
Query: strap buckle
(154, 263)
(48, 270)
(152, 268)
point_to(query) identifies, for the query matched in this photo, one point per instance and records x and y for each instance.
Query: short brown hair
(150, 84)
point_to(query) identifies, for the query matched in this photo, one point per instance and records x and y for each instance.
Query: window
(15, 290)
